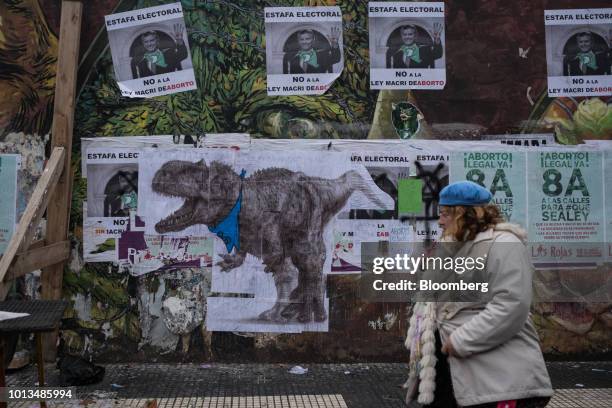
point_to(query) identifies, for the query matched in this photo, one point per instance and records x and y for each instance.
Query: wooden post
(58, 211)
(38, 258)
(41, 364)
(2, 372)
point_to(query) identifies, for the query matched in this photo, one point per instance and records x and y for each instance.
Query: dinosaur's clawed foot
(230, 261)
(305, 311)
(320, 315)
(273, 314)
(291, 311)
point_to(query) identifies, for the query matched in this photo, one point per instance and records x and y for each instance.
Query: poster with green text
(566, 207)
(502, 173)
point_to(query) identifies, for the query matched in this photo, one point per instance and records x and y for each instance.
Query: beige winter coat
(500, 351)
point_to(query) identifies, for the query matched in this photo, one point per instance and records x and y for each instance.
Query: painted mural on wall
(495, 84)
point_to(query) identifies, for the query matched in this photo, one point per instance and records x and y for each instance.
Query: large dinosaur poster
(273, 216)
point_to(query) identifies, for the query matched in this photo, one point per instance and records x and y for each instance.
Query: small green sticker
(409, 194)
(406, 119)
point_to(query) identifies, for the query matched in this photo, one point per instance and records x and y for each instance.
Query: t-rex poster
(270, 212)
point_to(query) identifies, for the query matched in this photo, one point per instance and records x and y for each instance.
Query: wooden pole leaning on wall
(58, 211)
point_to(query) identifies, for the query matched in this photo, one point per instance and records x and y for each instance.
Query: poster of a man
(150, 51)
(413, 54)
(112, 193)
(112, 189)
(407, 45)
(151, 59)
(121, 194)
(308, 59)
(584, 58)
(579, 52)
(304, 54)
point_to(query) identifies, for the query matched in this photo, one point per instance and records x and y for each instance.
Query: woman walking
(486, 353)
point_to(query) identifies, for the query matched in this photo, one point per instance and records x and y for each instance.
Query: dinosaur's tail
(355, 182)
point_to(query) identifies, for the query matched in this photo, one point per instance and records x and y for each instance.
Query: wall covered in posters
(494, 84)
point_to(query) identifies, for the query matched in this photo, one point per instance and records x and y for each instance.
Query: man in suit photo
(309, 60)
(410, 54)
(586, 60)
(155, 60)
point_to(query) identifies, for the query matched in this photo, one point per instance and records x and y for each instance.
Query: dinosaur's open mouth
(178, 220)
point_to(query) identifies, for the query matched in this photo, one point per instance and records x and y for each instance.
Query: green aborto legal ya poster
(566, 211)
(502, 173)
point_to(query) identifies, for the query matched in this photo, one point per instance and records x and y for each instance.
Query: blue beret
(464, 193)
